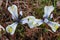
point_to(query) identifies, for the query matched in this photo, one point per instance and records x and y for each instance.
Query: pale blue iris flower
(14, 12)
(32, 21)
(54, 25)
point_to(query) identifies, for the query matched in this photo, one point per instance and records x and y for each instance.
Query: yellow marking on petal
(29, 18)
(10, 29)
(33, 23)
(12, 8)
(55, 26)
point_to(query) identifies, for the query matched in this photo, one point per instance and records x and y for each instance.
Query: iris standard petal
(54, 25)
(47, 11)
(51, 16)
(11, 28)
(21, 13)
(13, 10)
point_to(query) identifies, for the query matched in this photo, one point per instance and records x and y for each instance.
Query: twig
(18, 3)
(6, 3)
(56, 18)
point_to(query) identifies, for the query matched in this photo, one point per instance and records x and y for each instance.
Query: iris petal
(11, 28)
(13, 10)
(39, 21)
(32, 24)
(47, 11)
(35, 22)
(54, 25)
(30, 17)
(32, 21)
(21, 13)
(27, 19)
(24, 20)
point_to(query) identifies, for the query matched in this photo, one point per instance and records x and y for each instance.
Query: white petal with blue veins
(13, 10)
(39, 21)
(47, 11)
(32, 23)
(27, 19)
(54, 25)
(35, 23)
(11, 28)
(24, 20)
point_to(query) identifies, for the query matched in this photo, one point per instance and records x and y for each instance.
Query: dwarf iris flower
(14, 12)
